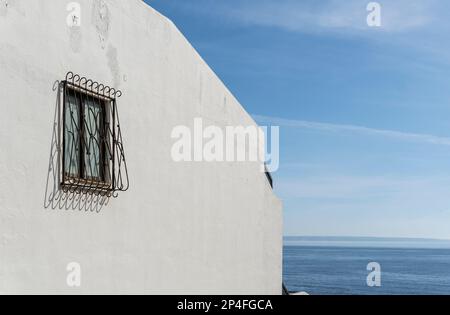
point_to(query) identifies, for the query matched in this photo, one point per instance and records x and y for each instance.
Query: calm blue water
(342, 270)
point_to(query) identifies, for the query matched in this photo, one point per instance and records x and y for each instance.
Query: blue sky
(364, 112)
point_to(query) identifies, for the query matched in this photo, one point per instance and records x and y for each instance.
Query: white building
(196, 228)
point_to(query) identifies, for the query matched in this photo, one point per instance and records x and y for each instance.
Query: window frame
(82, 108)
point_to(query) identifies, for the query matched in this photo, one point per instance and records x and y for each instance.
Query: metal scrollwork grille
(93, 156)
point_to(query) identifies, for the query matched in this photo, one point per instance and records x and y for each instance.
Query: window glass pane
(92, 138)
(72, 140)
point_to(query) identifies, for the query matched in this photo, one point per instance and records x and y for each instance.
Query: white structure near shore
(181, 228)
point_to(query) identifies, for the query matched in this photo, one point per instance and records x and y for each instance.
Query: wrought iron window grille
(93, 158)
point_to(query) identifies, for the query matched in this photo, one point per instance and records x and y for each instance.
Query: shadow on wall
(55, 197)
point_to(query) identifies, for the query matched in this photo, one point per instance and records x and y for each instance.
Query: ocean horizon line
(366, 242)
(364, 238)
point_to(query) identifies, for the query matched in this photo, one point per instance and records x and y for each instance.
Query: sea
(343, 266)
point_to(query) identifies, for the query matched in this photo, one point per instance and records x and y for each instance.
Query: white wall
(182, 227)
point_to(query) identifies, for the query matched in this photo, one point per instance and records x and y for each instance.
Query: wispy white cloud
(336, 187)
(414, 26)
(352, 129)
(333, 15)
(381, 188)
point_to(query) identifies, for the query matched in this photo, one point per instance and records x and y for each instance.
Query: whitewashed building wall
(181, 227)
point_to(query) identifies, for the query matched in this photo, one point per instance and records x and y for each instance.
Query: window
(93, 155)
(85, 146)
